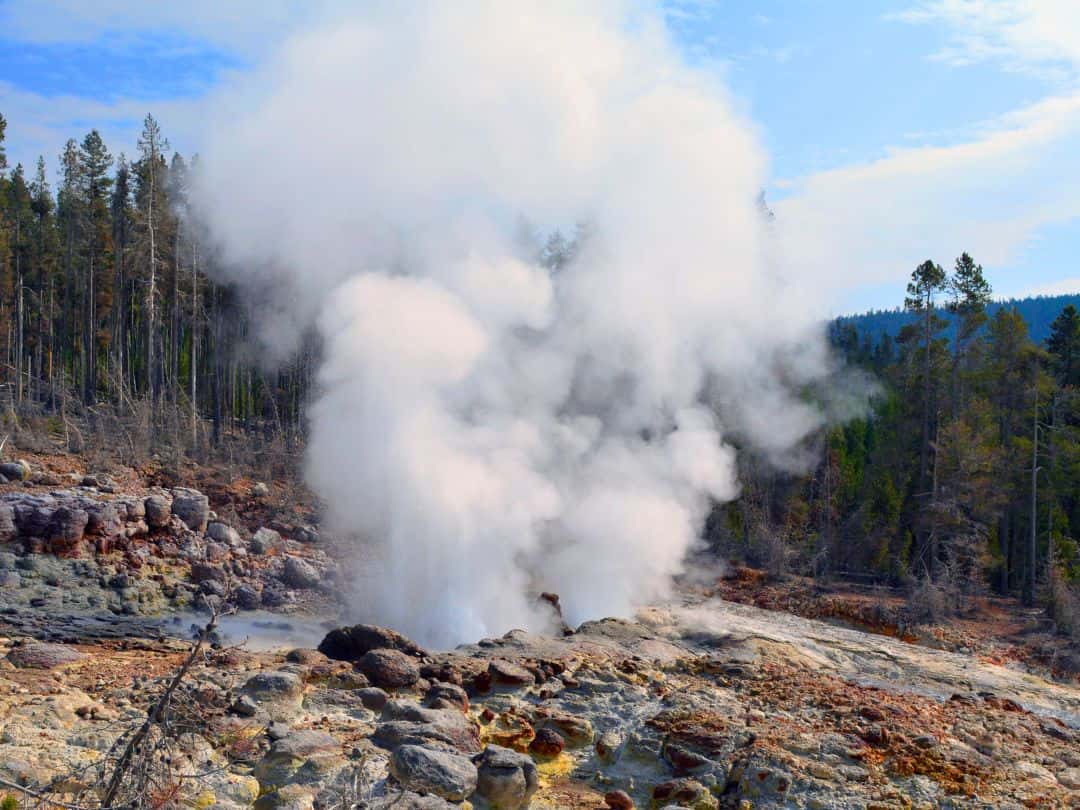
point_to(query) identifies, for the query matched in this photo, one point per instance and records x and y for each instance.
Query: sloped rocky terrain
(698, 703)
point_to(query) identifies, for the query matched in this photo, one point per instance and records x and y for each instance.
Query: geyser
(487, 426)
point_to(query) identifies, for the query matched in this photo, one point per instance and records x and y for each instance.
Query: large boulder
(300, 573)
(15, 470)
(43, 655)
(353, 643)
(423, 770)
(192, 507)
(279, 693)
(308, 757)
(389, 669)
(157, 511)
(505, 778)
(223, 533)
(66, 529)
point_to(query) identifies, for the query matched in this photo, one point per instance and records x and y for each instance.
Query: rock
(192, 507)
(373, 698)
(279, 692)
(66, 529)
(43, 655)
(10, 579)
(405, 723)
(1032, 770)
(407, 800)
(307, 534)
(577, 731)
(157, 511)
(547, 743)
(609, 746)
(421, 770)
(505, 673)
(353, 643)
(15, 470)
(300, 573)
(244, 706)
(223, 533)
(618, 800)
(260, 490)
(289, 797)
(1070, 778)
(306, 656)
(104, 520)
(8, 530)
(685, 793)
(505, 778)
(263, 540)
(247, 597)
(389, 669)
(446, 696)
(206, 572)
(304, 757)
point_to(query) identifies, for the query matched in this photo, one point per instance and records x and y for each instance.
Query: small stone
(618, 800)
(244, 706)
(547, 743)
(926, 741)
(15, 470)
(260, 490)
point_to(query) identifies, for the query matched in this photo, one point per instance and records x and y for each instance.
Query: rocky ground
(699, 703)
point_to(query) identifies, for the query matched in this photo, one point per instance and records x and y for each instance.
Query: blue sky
(910, 128)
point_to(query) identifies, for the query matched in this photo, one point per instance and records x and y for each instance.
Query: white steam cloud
(484, 427)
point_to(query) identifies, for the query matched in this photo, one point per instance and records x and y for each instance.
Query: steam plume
(484, 427)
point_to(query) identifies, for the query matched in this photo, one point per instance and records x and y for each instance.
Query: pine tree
(1064, 345)
(95, 161)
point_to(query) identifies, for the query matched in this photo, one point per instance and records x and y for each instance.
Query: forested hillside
(106, 308)
(1039, 312)
(965, 476)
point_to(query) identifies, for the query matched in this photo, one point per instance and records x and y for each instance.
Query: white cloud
(1033, 36)
(870, 222)
(1067, 286)
(40, 126)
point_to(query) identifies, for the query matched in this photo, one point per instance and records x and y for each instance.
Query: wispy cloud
(1038, 37)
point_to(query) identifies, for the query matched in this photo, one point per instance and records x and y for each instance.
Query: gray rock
(8, 530)
(244, 706)
(264, 539)
(260, 490)
(506, 778)
(9, 579)
(66, 527)
(407, 800)
(223, 533)
(7, 561)
(192, 507)
(300, 573)
(422, 770)
(279, 692)
(157, 512)
(247, 597)
(288, 797)
(103, 519)
(304, 757)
